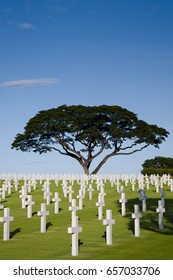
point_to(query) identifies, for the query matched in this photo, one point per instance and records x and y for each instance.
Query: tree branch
(97, 154)
(67, 148)
(115, 153)
(134, 151)
(67, 153)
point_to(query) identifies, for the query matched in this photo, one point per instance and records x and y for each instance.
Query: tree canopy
(85, 132)
(158, 162)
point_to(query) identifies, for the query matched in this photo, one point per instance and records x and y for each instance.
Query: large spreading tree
(86, 132)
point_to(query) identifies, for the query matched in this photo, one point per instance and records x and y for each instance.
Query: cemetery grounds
(28, 243)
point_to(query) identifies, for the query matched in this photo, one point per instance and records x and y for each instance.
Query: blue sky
(89, 52)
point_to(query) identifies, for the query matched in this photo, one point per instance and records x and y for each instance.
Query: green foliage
(158, 162)
(158, 165)
(159, 171)
(84, 132)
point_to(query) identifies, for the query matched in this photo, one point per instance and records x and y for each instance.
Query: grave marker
(160, 210)
(56, 201)
(143, 198)
(74, 230)
(23, 196)
(90, 190)
(108, 222)
(80, 197)
(100, 205)
(70, 193)
(162, 195)
(1, 206)
(73, 207)
(43, 213)
(136, 216)
(48, 194)
(29, 204)
(3, 194)
(118, 185)
(6, 219)
(123, 202)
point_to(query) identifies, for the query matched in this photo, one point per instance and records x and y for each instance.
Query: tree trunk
(102, 163)
(85, 168)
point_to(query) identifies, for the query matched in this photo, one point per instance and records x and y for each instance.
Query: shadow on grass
(3, 201)
(14, 232)
(149, 220)
(80, 243)
(104, 235)
(34, 213)
(48, 225)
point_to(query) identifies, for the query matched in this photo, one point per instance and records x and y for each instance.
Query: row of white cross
(114, 179)
(68, 191)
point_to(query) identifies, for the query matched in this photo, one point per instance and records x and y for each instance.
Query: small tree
(85, 132)
(158, 165)
(158, 162)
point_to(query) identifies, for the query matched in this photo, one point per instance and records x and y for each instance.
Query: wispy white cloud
(21, 25)
(25, 25)
(93, 12)
(56, 8)
(153, 10)
(29, 83)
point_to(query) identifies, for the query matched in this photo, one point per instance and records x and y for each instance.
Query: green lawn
(26, 242)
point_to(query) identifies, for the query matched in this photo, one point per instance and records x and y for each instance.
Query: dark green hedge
(159, 171)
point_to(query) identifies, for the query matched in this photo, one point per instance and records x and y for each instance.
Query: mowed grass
(27, 243)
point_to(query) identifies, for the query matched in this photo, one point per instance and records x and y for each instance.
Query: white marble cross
(118, 185)
(43, 213)
(136, 216)
(100, 205)
(34, 184)
(83, 188)
(48, 194)
(108, 222)
(160, 210)
(102, 192)
(1, 206)
(70, 193)
(73, 207)
(147, 183)
(90, 190)
(9, 187)
(16, 184)
(99, 184)
(28, 186)
(157, 186)
(80, 197)
(123, 202)
(6, 219)
(56, 201)
(122, 189)
(3, 193)
(23, 195)
(171, 185)
(74, 230)
(143, 198)
(65, 188)
(29, 204)
(162, 195)
(133, 184)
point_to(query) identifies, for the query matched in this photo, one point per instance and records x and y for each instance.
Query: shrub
(159, 171)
